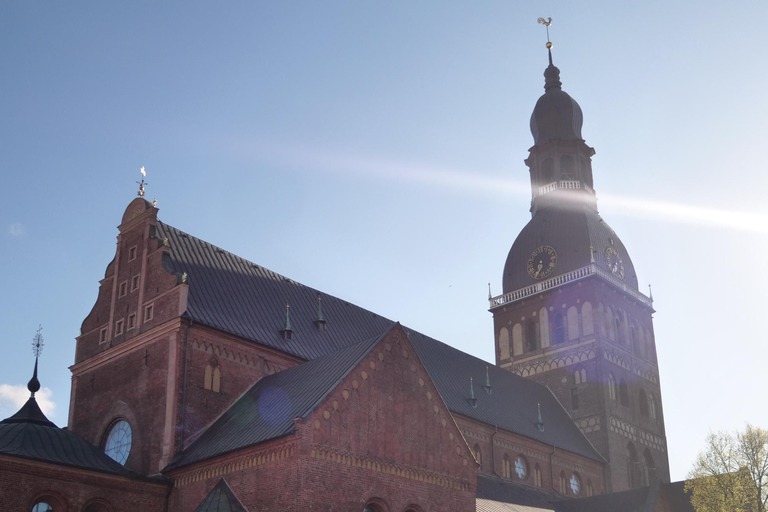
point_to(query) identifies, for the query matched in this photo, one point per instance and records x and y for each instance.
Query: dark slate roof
(30, 435)
(498, 495)
(221, 499)
(512, 404)
(267, 410)
(236, 296)
(571, 229)
(556, 115)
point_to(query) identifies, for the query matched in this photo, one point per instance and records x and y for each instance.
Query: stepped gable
(29, 434)
(267, 410)
(239, 297)
(221, 499)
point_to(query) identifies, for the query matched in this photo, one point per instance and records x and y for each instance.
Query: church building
(205, 382)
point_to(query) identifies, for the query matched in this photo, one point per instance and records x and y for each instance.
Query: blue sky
(374, 150)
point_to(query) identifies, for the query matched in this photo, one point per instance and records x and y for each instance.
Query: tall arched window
(580, 376)
(573, 323)
(478, 455)
(650, 467)
(504, 343)
(517, 339)
(633, 346)
(563, 483)
(619, 330)
(212, 377)
(623, 393)
(547, 171)
(643, 399)
(531, 338)
(611, 386)
(537, 476)
(506, 467)
(632, 466)
(587, 320)
(610, 324)
(652, 406)
(590, 489)
(559, 327)
(567, 168)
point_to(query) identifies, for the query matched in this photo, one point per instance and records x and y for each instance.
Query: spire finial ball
(549, 45)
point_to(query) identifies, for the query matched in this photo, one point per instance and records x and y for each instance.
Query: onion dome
(562, 240)
(556, 116)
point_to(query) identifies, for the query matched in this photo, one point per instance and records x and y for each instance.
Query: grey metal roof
(571, 229)
(30, 435)
(267, 410)
(232, 294)
(498, 495)
(221, 499)
(511, 405)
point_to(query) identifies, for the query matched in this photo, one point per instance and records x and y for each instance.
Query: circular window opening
(42, 506)
(575, 484)
(521, 468)
(119, 439)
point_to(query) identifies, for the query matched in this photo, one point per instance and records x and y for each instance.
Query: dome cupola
(556, 116)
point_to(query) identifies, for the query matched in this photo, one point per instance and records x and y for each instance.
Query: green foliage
(731, 474)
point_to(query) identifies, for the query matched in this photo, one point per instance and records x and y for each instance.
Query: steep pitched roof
(497, 495)
(30, 435)
(221, 499)
(267, 410)
(236, 296)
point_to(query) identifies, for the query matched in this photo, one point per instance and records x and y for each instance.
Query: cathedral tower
(571, 315)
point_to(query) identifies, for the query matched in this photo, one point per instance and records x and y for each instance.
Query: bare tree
(731, 474)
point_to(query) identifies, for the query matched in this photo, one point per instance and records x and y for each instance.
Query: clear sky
(374, 150)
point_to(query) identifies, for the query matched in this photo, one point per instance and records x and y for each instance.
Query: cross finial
(142, 183)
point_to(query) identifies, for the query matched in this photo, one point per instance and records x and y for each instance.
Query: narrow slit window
(149, 313)
(119, 327)
(132, 253)
(132, 321)
(135, 282)
(103, 335)
(123, 289)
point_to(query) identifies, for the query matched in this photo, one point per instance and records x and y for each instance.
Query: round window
(42, 506)
(575, 484)
(119, 439)
(521, 468)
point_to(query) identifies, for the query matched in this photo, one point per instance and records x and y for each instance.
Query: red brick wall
(22, 482)
(550, 460)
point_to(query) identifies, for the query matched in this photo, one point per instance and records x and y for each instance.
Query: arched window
(521, 467)
(633, 346)
(610, 324)
(611, 386)
(652, 406)
(650, 467)
(42, 506)
(563, 483)
(619, 330)
(547, 171)
(543, 328)
(632, 466)
(208, 382)
(537, 476)
(580, 376)
(118, 442)
(503, 343)
(531, 339)
(623, 393)
(567, 168)
(559, 327)
(573, 323)
(587, 320)
(375, 505)
(506, 467)
(478, 455)
(590, 489)
(575, 484)
(216, 387)
(212, 378)
(517, 339)
(574, 398)
(643, 403)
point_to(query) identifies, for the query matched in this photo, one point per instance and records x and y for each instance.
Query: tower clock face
(613, 260)
(542, 262)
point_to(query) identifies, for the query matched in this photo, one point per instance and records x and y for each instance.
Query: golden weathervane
(546, 22)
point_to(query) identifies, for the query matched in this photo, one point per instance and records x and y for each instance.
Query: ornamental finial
(142, 183)
(37, 347)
